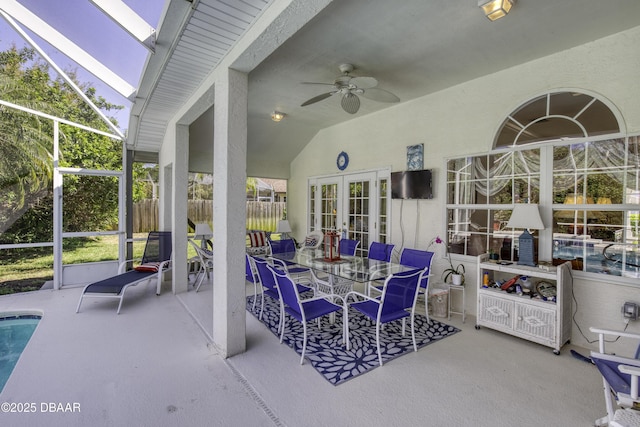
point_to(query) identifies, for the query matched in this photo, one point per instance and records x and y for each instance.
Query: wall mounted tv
(411, 185)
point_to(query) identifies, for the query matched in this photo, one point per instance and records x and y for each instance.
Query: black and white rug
(327, 353)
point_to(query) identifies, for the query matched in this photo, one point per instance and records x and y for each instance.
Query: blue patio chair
(620, 379)
(397, 302)
(268, 286)
(349, 247)
(303, 310)
(155, 260)
(381, 251)
(288, 246)
(419, 259)
(378, 252)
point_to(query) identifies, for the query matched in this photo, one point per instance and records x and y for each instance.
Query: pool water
(15, 332)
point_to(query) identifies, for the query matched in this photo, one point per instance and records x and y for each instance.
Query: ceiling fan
(350, 87)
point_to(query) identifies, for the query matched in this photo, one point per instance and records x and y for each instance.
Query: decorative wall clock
(342, 161)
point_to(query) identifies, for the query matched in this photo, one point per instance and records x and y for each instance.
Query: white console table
(544, 322)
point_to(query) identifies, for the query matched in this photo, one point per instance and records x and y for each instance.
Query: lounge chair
(155, 261)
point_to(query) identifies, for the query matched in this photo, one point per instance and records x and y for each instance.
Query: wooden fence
(260, 215)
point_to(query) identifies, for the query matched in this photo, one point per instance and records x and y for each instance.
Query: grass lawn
(23, 270)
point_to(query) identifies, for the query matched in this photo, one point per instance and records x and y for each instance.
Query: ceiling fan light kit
(276, 116)
(495, 9)
(350, 87)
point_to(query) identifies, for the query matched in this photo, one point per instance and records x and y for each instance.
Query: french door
(354, 205)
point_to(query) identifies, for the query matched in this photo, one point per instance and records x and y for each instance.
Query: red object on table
(331, 246)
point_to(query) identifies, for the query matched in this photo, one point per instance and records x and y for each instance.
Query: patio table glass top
(352, 268)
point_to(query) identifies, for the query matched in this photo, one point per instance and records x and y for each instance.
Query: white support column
(229, 212)
(179, 185)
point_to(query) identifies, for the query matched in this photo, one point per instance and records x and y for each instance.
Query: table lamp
(527, 216)
(284, 229)
(204, 233)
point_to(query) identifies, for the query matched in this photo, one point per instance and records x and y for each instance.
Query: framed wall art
(415, 157)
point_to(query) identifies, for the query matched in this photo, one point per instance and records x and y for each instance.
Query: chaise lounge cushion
(151, 267)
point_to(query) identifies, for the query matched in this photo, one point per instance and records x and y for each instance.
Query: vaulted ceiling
(412, 47)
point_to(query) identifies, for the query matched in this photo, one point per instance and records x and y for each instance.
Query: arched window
(568, 152)
(556, 116)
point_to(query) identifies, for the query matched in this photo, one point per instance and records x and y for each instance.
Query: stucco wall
(463, 120)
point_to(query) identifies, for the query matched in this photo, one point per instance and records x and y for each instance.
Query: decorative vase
(456, 279)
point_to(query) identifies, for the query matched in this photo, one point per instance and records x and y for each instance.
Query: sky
(86, 25)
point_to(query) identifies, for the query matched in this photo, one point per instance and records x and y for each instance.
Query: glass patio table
(342, 273)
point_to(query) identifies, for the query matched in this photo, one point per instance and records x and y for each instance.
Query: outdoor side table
(462, 310)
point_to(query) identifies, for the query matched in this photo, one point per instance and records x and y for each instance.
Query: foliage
(26, 153)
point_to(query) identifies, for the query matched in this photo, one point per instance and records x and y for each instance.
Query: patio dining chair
(155, 260)
(313, 240)
(381, 251)
(268, 286)
(349, 247)
(378, 252)
(397, 302)
(303, 310)
(288, 246)
(620, 380)
(205, 259)
(419, 259)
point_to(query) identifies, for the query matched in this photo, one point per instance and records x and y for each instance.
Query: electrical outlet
(630, 310)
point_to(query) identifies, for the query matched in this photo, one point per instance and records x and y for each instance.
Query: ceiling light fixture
(276, 116)
(495, 9)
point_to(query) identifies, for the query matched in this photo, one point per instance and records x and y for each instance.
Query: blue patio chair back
(158, 247)
(288, 293)
(265, 275)
(608, 367)
(248, 270)
(269, 286)
(349, 247)
(282, 246)
(418, 259)
(381, 251)
(399, 293)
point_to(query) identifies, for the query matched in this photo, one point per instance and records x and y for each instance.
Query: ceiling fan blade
(317, 99)
(380, 95)
(317, 83)
(350, 103)
(364, 82)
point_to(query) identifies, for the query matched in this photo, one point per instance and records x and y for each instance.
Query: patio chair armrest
(604, 332)
(324, 296)
(124, 263)
(634, 371)
(163, 267)
(359, 294)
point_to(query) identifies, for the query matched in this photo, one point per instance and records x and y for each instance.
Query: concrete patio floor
(153, 365)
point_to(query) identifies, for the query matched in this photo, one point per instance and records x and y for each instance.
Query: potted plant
(456, 273)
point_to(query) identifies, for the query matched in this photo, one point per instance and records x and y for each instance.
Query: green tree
(26, 153)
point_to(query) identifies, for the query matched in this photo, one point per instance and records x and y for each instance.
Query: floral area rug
(326, 351)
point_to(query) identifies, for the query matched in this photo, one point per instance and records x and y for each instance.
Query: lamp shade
(203, 231)
(527, 216)
(283, 226)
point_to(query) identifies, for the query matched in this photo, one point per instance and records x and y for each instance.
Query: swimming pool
(15, 331)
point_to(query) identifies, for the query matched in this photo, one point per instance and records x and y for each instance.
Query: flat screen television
(411, 185)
